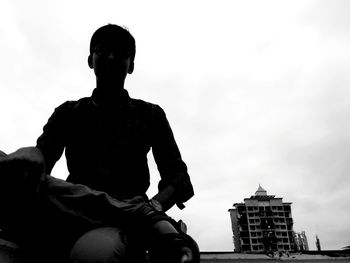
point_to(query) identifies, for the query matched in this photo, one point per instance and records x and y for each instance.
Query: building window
(255, 247)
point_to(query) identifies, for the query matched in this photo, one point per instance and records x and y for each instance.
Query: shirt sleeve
(52, 141)
(172, 168)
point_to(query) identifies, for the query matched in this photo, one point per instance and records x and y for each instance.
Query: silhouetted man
(102, 211)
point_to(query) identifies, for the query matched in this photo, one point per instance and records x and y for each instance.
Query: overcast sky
(255, 91)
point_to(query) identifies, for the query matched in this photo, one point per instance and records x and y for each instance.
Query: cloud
(328, 17)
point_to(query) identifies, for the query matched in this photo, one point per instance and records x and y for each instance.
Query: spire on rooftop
(260, 191)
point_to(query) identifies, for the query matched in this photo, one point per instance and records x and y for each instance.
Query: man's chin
(112, 79)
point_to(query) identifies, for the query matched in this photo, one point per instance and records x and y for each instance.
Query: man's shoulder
(144, 105)
(75, 104)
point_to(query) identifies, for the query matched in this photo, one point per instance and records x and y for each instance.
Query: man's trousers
(57, 221)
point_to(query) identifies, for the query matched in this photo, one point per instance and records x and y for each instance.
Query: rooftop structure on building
(262, 222)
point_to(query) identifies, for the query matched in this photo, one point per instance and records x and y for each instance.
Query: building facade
(262, 222)
(301, 241)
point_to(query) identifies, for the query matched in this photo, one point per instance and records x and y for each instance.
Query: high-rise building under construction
(262, 222)
(301, 241)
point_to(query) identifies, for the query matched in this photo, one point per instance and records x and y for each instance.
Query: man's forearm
(166, 197)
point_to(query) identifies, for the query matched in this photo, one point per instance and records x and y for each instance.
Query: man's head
(112, 52)
(114, 33)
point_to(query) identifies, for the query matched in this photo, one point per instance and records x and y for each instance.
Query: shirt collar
(99, 99)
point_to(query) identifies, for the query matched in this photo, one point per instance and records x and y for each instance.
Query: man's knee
(2, 154)
(107, 244)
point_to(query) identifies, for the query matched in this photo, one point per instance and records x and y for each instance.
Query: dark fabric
(108, 244)
(46, 215)
(106, 146)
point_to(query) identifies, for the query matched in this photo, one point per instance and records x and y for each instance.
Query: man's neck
(107, 93)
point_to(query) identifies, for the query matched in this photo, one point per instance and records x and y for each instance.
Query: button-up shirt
(106, 146)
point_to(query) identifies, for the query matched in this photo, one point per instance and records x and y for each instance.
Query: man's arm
(52, 141)
(175, 186)
(166, 197)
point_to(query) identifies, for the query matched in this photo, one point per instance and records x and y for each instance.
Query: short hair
(112, 32)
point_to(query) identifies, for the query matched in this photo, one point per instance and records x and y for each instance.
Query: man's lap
(60, 214)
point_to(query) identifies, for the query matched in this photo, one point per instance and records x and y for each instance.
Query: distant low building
(318, 244)
(301, 241)
(262, 222)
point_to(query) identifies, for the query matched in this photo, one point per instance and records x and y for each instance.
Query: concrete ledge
(308, 256)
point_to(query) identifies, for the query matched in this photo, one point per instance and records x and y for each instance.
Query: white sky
(256, 92)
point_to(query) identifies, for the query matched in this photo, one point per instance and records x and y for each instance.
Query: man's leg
(62, 211)
(107, 244)
(22, 182)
